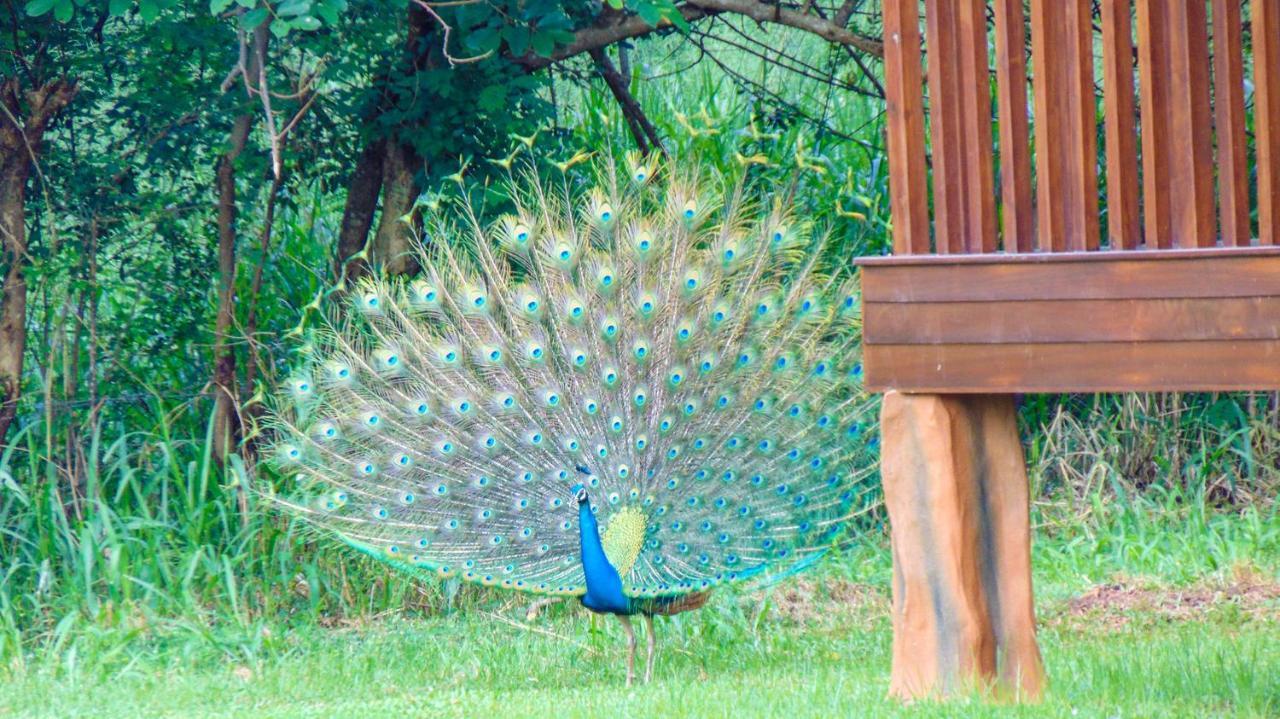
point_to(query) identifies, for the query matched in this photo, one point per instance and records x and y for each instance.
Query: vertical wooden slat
(1015, 149)
(1190, 125)
(1153, 74)
(904, 87)
(1266, 64)
(1228, 97)
(1066, 146)
(1124, 224)
(1082, 133)
(946, 132)
(1046, 45)
(975, 125)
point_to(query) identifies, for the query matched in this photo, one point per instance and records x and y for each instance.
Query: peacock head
(580, 493)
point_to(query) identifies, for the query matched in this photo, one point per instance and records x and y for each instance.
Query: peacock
(641, 347)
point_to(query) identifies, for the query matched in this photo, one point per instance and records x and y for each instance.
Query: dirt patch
(807, 600)
(1124, 600)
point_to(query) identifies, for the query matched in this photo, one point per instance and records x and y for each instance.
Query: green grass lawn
(1185, 624)
(830, 659)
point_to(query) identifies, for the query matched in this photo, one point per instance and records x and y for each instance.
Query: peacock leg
(631, 648)
(648, 664)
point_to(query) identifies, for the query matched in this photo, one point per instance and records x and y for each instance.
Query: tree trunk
(357, 215)
(226, 417)
(19, 150)
(387, 166)
(393, 245)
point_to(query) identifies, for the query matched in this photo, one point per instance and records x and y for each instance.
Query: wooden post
(955, 486)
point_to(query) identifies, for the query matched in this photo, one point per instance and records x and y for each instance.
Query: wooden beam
(1124, 223)
(1068, 321)
(908, 190)
(974, 86)
(1190, 125)
(1244, 272)
(1233, 142)
(1266, 81)
(1066, 143)
(1015, 130)
(1153, 75)
(1205, 366)
(946, 129)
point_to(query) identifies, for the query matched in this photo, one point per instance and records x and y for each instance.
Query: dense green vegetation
(174, 241)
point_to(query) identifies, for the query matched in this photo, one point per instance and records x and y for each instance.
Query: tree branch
(613, 26)
(609, 27)
(765, 12)
(641, 128)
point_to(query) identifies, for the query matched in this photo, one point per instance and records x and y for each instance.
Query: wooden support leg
(955, 486)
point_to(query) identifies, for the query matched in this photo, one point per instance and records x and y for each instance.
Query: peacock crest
(683, 349)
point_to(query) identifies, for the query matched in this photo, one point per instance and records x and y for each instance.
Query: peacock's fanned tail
(689, 355)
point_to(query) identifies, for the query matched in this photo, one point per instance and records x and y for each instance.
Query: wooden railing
(994, 287)
(1169, 165)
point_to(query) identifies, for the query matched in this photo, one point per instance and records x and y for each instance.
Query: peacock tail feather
(678, 347)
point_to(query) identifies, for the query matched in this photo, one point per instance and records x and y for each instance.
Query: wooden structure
(1037, 249)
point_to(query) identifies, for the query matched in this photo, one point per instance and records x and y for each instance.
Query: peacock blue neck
(604, 586)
